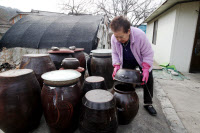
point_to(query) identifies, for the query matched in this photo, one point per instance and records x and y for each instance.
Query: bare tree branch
(135, 10)
(76, 7)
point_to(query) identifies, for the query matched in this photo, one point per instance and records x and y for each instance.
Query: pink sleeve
(115, 55)
(146, 50)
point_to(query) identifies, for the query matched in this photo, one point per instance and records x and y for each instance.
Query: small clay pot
(92, 83)
(70, 63)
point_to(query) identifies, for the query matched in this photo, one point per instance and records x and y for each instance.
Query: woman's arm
(146, 49)
(115, 55)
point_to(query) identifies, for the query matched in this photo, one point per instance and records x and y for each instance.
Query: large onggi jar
(127, 102)
(100, 64)
(39, 63)
(98, 114)
(20, 101)
(61, 100)
(59, 55)
(79, 54)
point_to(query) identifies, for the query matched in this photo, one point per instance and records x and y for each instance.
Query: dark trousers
(148, 90)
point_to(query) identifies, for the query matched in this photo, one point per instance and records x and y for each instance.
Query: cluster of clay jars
(73, 63)
(61, 100)
(62, 96)
(21, 109)
(100, 64)
(98, 112)
(58, 55)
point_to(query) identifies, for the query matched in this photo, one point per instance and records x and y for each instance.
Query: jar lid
(128, 76)
(60, 51)
(99, 99)
(16, 73)
(35, 55)
(102, 52)
(61, 77)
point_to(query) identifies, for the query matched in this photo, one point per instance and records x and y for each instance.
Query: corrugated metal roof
(164, 7)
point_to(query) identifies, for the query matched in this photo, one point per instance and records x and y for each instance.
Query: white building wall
(166, 23)
(185, 29)
(149, 31)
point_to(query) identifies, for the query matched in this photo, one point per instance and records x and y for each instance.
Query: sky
(43, 5)
(27, 5)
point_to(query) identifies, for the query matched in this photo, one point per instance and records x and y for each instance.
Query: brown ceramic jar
(70, 63)
(101, 65)
(79, 54)
(98, 114)
(39, 63)
(93, 82)
(61, 100)
(20, 101)
(59, 55)
(127, 102)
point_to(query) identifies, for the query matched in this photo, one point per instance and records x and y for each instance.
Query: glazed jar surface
(93, 82)
(70, 63)
(21, 109)
(61, 107)
(100, 64)
(79, 54)
(39, 63)
(58, 57)
(127, 102)
(61, 100)
(98, 114)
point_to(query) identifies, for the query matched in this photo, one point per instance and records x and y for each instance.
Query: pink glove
(145, 69)
(117, 67)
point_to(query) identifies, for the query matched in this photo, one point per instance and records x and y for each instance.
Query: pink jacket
(140, 47)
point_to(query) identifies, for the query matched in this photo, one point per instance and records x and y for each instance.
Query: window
(155, 29)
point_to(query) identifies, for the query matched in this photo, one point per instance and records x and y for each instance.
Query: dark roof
(47, 31)
(37, 12)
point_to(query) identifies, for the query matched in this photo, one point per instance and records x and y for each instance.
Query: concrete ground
(185, 98)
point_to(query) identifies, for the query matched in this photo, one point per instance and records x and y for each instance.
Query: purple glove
(145, 69)
(117, 67)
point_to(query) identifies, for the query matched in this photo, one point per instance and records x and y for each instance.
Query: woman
(131, 48)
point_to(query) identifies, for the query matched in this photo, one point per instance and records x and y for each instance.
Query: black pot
(70, 63)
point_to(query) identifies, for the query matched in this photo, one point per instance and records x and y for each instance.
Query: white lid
(35, 55)
(61, 75)
(102, 52)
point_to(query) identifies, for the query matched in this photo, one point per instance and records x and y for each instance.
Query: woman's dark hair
(120, 22)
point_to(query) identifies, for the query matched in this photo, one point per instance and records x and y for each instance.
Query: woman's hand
(145, 69)
(116, 68)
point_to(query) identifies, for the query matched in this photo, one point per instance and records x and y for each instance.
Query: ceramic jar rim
(124, 92)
